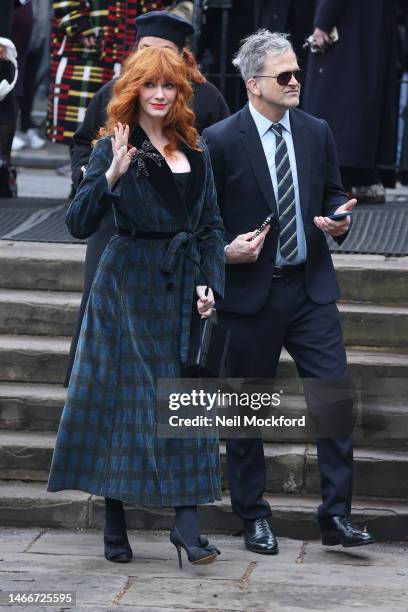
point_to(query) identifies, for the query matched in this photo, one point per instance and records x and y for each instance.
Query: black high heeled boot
(116, 543)
(186, 534)
(203, 554)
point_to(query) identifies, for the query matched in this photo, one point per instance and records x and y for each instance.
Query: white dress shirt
(268, 140)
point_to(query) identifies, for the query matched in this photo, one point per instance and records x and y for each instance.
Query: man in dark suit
(271, 158)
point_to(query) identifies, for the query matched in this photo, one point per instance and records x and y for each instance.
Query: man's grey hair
(252, 54)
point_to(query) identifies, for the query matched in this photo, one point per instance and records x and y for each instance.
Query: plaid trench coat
(136, 329)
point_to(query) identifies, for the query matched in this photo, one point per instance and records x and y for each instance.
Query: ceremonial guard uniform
(78, 72)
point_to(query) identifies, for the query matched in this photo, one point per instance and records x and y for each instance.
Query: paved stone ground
(304, 576)
(42, 181)
(37, 183)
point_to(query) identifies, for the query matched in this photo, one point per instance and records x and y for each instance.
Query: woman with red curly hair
(151, 165)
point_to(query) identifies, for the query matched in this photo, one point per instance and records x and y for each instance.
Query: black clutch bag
(208, 346)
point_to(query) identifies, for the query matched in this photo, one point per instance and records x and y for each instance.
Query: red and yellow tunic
(77, 72)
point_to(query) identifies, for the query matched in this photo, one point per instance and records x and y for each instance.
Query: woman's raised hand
(122, 156)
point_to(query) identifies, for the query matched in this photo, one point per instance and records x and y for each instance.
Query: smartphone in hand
(340, 216)
(262, 227)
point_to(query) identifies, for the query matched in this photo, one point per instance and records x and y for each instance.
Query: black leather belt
(180, 243)
(283, 271)
(148, 235)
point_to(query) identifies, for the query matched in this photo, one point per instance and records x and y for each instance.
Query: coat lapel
(300, 137)
(161, 180)
(256, 157)
(197, 165)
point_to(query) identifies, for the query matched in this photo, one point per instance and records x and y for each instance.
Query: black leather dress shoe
(259, 538)
(340, 530)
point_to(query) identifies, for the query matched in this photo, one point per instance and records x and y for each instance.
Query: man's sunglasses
(283, 78)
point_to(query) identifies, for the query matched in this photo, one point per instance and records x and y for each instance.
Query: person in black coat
(271, 159)
(352, 85)
(292, 16)
(6, 18)
(157, 29)
(7, 105)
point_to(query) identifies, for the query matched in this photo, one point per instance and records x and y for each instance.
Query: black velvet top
(183, 182)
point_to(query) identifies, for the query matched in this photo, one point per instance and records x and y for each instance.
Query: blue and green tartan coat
(136, 329)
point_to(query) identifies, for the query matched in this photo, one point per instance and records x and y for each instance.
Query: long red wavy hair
(194, 72)
(156, 65)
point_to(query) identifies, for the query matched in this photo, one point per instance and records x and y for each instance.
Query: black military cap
(163, 24)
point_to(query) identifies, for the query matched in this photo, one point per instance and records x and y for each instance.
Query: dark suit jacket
(246, 198)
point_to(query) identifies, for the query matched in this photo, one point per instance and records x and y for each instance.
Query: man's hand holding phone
(340, 226)
(245, 248)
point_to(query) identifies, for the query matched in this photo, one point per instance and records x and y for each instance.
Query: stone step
(54, 313)
(37, 265)
(27, 265)
(362, 362)
(51, 156)
(44, 313)
(38, 407)
(30, 505)
(26, 455)
(291, 468)
(373, 278)
(33, 359)
(43, 359)
(34, 407)
(374, 325)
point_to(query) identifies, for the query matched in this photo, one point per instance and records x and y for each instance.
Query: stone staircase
(39, 295)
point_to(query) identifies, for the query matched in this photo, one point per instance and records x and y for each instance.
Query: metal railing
(225, 6)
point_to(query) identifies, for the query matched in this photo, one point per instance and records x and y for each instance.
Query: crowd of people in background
(68, 50)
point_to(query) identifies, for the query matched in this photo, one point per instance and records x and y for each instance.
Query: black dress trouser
(312, 335)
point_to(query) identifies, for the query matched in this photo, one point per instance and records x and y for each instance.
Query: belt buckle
(278, 272)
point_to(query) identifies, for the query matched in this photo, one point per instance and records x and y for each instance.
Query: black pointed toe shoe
(340, 530)
(117, 549)
(259, 538)
(197, 555)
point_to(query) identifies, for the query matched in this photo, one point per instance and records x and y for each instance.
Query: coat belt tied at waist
(184, 243)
